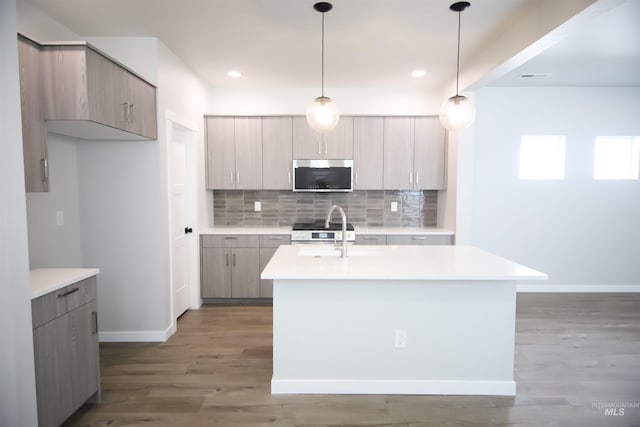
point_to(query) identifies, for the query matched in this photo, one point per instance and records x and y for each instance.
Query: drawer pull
(418, 238)
(230, 238)
(94, 322)
(274, 238)
(62, 295)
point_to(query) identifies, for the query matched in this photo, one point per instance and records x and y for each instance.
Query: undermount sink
(331, 251)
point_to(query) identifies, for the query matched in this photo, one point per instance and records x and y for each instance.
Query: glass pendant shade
(457, 113)
(323, 114)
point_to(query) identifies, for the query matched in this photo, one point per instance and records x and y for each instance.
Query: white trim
(181, 120)
(136, 336)
(526, 287)
(441, 387)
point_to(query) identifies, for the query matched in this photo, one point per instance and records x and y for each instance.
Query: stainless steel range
(316, 232)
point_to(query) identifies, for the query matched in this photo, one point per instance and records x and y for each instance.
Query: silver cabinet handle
(231, 176)
(64, 294)
(326, 147)
(131, 113)
(94, 322)
(274, 238)
(44, 169)
(230, 238)
(237, 178)
(289, 177)
(319, 147)
(356, 178)
(126, 111)
(418, 238)
(410, 178)
(227, 260)
(417, 179)
(234, 260)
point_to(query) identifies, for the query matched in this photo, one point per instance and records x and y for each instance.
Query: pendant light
(458, 111)
(322, 113)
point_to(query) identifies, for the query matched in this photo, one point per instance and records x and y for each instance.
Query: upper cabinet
(414, 153)
(234, 152)
(34, 131)
(277, 153)
(336, 144)
(89, 96)
(368, 153)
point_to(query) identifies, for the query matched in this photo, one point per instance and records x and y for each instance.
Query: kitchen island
(393, 320)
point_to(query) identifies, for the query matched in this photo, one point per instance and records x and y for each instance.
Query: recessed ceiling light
(234, 74)
(418, 73)
(535, 75)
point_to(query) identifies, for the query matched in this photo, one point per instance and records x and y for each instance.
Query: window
(616, 157)
(542, 157)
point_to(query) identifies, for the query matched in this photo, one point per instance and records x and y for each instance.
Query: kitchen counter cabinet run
(66, 354)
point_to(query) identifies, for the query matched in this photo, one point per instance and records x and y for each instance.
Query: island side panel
(338, 336)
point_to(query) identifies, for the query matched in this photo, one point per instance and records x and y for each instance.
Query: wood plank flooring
(577, 356)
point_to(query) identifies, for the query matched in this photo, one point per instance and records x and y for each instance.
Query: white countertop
(395, 263)
(46, 280)
(359, 230)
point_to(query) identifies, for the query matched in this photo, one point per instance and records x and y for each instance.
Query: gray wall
(17, 378)
(578, 230)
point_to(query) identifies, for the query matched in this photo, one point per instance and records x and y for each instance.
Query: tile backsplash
(371, 208)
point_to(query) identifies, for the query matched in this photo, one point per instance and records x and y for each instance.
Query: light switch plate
(394, 206)
(257, 206)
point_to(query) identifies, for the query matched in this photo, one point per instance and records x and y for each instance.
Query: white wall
(579, 231)
(51, 245)
(17, 377)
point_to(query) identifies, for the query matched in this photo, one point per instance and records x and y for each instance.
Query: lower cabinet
(231, 265)
(418, 239)
(65, 343)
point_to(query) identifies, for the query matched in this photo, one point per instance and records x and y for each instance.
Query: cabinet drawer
(417, 239)
(57, 303)
(274, 240)
(231, 241)
(371, 239)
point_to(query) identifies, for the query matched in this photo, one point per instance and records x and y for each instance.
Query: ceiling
(368, 43)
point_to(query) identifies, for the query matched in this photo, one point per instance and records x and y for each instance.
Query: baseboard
(540, 287)
(136, 336)
(415, 387)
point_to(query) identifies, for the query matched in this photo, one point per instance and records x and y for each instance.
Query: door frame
(173, 120)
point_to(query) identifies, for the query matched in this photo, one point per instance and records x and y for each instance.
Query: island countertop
(309, 262)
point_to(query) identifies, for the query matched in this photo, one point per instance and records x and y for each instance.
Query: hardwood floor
(577, 364)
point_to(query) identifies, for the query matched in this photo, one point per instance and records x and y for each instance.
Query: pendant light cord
(458, 61)
(322, 58)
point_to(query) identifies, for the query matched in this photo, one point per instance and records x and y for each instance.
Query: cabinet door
(101, 96)
(429, 154)
(338, 143)
(266, 285)
(142, 103)
(245, 264)
(64, 78)
(220, 153)
(53, 372)
(398, 153)
(34, 132)
(307, 143)
(277, 153)
(368, 153)
(82, 335)
(248, 152)
(216, 273)
(371, 239)
(404, 239)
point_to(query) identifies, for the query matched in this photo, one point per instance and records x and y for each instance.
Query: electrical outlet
(257, 206)
(59, 218)
(394, 206)
(401, 338)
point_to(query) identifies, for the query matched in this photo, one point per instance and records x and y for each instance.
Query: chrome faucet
(344, 226)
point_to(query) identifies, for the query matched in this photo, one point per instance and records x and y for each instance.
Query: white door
(180, 230)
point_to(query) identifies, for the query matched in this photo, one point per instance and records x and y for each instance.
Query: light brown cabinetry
(277, 153)
(234, 152)
(34, 131)
(368, 152)
(414, 153)
(229, 266)
(336, 144)
(65, 341)
(81, 84)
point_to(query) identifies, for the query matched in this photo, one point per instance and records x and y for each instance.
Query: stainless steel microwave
(323, 175)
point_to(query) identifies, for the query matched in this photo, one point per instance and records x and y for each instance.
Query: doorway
(181, 142)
